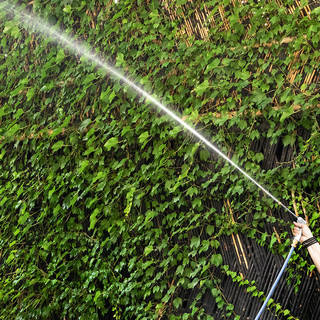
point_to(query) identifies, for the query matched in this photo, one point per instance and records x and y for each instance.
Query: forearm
(314, 252)
(308, 241)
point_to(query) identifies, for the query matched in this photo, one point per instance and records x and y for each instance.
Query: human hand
(305, 231)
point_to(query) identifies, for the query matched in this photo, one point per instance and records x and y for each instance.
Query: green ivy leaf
(289, 140)
(286, 113)
(15, 32)
(129, 200)
(148, 249)
(210, 230)
(11, 257)
(93, 218)
(244, 75)
(57, 145)
(23, 218)
(237, 189)
(286, 312)
(143, 137)
(84, 124)
(196, 203)
(193, 283)
(258, 157)
(67, 8)
(177, 302)
(202, 88)
(112, 95)
(216, 259)
(30, 94)
(212, 65)
(60, 56)
(104, 96)
(89, 78)
(97, 296)
(11, 132)
(8, 26)
(195, 242)
(83, 165)
(215, 292)
(125, 130)
(112, 142)
(120, 60)
(204, 154)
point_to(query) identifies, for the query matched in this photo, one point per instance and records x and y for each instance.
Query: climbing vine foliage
(108, 208)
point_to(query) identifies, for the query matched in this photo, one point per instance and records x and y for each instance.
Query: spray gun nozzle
(300, 220)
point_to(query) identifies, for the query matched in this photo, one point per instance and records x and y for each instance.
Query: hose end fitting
(295, 241)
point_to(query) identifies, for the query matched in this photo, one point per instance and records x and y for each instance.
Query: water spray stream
(42, 27)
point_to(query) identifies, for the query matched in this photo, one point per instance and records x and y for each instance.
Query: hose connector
(297, 238)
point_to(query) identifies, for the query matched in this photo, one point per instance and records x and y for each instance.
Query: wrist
(309, 242)
(305, 238)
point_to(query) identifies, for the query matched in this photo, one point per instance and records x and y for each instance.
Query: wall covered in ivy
(109, 210)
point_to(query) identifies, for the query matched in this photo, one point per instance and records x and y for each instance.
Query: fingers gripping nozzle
(297, 237)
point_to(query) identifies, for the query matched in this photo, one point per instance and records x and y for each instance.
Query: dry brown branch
(237, 241)
(294, 202)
